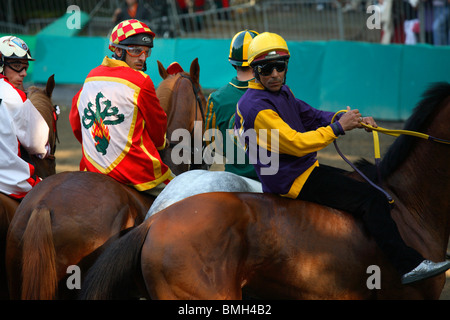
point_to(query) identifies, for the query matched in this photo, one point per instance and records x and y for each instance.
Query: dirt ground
(354, 145)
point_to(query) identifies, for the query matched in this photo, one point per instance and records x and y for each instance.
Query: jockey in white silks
(20, 122)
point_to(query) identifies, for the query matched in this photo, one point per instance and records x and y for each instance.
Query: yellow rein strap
(394, 133)
(397, 133)
(376, 143)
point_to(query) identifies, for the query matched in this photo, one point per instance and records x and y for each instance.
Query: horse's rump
(80, 223)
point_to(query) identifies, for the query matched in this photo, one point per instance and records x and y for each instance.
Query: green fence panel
(64, 25)
(362, 76)
(304, 75)
(384, 81)
(212, 54)
(421, 65)
(69, 58)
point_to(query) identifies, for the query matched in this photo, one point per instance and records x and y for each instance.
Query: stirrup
(425, 270)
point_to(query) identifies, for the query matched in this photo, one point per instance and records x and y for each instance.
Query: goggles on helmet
(135, 51)
(267, 69)
(17, 66)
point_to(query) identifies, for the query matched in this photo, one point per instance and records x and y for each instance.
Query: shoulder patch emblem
(98, 120)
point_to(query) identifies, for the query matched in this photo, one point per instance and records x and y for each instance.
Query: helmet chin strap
(121, 58)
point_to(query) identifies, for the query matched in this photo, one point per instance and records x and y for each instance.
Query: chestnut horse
(67, 218)
(223, 245)
(181, 91)
(41, 99)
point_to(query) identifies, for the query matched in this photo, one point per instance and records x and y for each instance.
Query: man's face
(16, 70)
(272, 74)
(136, 56)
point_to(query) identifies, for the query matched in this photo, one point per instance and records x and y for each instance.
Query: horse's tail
(113, 274)
(39, 278)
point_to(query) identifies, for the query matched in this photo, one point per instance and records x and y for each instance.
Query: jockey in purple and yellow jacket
(302, 131)
(287, 133)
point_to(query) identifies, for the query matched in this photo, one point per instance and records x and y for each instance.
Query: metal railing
(294, 19)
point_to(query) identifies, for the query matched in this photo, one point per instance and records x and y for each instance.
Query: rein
(199, 101)
(376, 141)
(55, 113)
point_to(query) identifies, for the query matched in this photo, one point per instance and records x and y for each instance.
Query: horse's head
(41, 99)
(182, 99)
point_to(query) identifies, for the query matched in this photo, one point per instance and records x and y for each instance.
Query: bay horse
(68, 217)
(181, 91)
(225, 245)
(41, 99)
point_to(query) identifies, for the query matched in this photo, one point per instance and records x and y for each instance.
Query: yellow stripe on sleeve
(289, 141)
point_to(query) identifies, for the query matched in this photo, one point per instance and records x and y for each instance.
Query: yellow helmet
(267, 46)
(239, 47)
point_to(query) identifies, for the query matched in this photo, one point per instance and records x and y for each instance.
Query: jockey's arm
(31, 129)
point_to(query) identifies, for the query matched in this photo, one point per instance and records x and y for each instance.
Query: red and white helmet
(12, 47)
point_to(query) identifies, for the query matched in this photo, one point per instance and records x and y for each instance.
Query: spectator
(191, 6)
(427, 23)
(131, 9)
(410, 21)
(223, 4)
(441, 13)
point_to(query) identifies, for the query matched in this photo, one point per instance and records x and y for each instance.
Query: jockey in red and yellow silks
(118, 119)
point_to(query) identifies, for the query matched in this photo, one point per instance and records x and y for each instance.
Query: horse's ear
(162, 71)
(50, 86)
(195, 71)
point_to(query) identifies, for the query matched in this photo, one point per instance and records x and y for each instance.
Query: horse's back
(193, 250)
(195, 182)
(273, 246)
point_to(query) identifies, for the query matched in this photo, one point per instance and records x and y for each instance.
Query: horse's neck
(420, 187)
(42, 104)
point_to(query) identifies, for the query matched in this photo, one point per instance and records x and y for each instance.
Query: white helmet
(12, 47)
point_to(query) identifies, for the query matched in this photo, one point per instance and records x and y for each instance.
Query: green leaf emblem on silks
(99, 119)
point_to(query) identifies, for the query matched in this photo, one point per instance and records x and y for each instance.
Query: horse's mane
(42, 103)
(421, 117)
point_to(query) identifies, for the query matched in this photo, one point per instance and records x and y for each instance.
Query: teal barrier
(60, 26)
(69, 58)
(384, 81)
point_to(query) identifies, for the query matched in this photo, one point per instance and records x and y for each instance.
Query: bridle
(198, 106)
(55, 113)
(197, 97)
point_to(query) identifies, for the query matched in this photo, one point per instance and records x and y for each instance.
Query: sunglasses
(267, 69)
(137, 51)
(17, 66)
